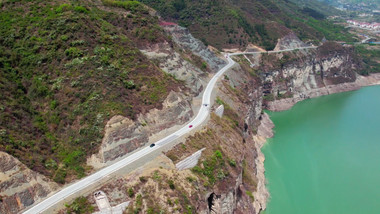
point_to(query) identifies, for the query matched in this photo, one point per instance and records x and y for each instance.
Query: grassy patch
(80, 206)
(66, 69)
(371, 58)
(212, 168)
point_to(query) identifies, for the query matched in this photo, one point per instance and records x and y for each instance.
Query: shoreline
(265, 129)
(361, 81)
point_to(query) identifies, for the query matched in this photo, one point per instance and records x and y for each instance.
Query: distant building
(369, 26)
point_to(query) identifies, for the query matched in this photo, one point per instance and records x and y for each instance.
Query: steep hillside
(236, 23)
(319, 6)
(227, 174)
(67, 67)
(370, 54)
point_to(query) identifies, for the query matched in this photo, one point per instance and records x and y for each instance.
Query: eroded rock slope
(20, 187)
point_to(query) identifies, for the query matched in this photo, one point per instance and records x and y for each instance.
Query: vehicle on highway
(191, 126)
(151, 145)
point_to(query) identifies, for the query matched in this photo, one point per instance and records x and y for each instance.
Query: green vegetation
(171, 184)
(313, 13)
(190, 179)
(331, 31)
(232, 162)
(66, 69)
(250, 195)
(269, 97)
(80, 206)
(212, 168)
(156, 176)
(225, 24)
(133, 6)
(371, 58)
(219, 101)
(142, 179)
(131, 193)
(137, 206)
(247, 179)
(148, 201)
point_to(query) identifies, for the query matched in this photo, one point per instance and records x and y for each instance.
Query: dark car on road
(151, 145)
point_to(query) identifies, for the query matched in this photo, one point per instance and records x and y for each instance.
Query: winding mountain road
(202, 115)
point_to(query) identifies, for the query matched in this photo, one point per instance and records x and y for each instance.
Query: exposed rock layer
(288, 42)
(287, 103)
(172, 63)
(185, 40)
(123, 135)
(20, 187)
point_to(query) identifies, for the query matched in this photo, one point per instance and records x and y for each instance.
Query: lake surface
(325, 156)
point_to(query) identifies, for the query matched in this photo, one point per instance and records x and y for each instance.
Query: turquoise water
(325, 156)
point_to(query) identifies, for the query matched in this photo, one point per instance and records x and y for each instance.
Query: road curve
(202, 115)
(97, 176)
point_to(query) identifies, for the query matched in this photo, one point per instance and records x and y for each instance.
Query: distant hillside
(374, 3)
(319, 6)
(66, 68)
(239, 22)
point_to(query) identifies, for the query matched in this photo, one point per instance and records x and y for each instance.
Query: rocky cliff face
(241, 92)
(172, 63)
(123, 135)
(188, 59)
(308, 73)
(20, 187)
(185, 40)
(184, 59)
(289, 41)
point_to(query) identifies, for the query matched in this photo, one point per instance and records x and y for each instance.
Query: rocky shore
(264, 132)
(361, 81)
